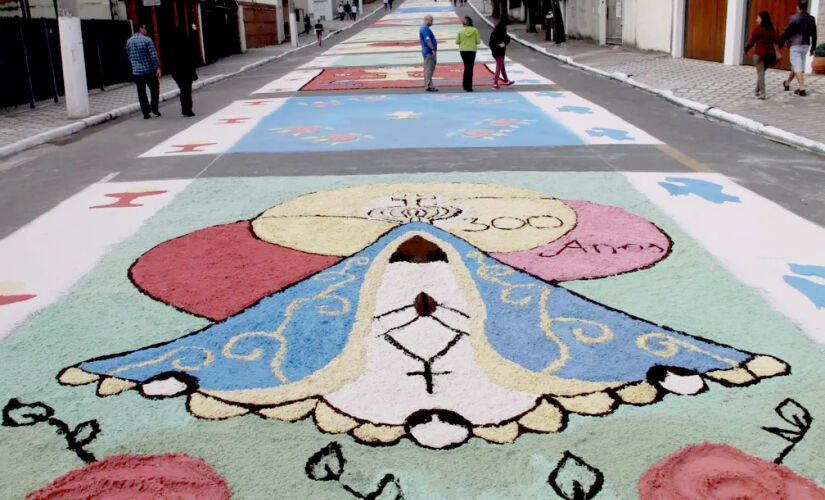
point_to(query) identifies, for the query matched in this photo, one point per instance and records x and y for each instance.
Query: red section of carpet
(11, 299)
(398, 77)
(710, 470)
(141, 477)
(218, 271)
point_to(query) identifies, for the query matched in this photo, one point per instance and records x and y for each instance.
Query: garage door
(705, 29)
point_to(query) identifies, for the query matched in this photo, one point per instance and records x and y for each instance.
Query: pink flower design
(375, 98)
(323, 104)
(446, 98)
(484, 132)
(302, 130)
(342, 137)
(139, 476)
(486, 100)
(502, 122)
(720, 471)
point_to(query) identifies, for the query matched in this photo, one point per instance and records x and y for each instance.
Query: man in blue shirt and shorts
(429, 46)
(801, 37)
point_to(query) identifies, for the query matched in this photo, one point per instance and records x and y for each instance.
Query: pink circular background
(606, 241)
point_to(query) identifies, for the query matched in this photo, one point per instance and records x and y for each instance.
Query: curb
(77, 126)
(742, 122)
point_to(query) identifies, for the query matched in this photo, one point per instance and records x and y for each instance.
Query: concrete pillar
(200, 34)
(677, 41)
(813, 9)
(293, 28)
(74, 67)
(241, 29)
(602, 22)
(360, 8)
(734, 33)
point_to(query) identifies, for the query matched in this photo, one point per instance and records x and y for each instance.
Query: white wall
(318, 8)
(647, 24)
(582, 19)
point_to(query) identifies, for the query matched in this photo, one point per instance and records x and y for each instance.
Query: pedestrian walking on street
(764, 40)
(348, 10)
(498, 46)
(181, 64)
(340, 11)
(354, 11)
(386, 4)
(391, 4)
(145, 68)
(467, 41)
(319, 32)
(429, 48)
(307, 24)
(801, 37)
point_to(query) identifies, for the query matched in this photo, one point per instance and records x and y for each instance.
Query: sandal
(786, 86)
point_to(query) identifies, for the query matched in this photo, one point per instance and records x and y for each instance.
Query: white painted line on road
(109, 177)
(45, 258)
(762, 244)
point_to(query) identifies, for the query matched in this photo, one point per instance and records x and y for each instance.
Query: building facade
(710, 30)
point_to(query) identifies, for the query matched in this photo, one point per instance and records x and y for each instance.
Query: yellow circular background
(342, 222)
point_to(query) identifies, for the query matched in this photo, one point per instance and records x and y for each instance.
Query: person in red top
(764, 40)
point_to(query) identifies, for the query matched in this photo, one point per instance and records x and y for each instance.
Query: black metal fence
(31, 63)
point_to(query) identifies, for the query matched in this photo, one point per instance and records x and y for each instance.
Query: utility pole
(293, 24)
(74, 65)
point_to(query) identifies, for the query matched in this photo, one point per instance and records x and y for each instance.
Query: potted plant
(818, 64)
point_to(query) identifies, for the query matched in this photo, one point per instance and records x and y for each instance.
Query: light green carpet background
(688, 291)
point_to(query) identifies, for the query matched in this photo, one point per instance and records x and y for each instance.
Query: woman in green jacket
(468, 41)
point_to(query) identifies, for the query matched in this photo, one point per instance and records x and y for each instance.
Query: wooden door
(780, 11)
(705, 29)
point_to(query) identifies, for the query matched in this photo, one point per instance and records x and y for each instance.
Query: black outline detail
(76, 439)
(333, 449)
(800, 424)
(578, 492)
(656, 375)
(450, 417)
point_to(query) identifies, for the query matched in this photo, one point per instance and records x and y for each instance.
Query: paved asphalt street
(331, 283)
(791, 178)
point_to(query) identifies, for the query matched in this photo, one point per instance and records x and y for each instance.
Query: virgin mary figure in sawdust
(426, 311)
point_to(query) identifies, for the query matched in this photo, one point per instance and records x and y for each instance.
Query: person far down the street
(429, 47)
(319, 32)
(499, 39)
(467, 41)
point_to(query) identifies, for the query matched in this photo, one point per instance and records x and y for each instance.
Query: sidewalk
(22, 122)
(730, 88)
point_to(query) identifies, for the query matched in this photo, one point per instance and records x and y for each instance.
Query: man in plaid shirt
(145, 68)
